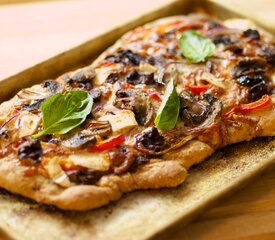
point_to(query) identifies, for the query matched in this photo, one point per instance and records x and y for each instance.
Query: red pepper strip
(198, 89)
(155, 96)
(127, 85)
(110, 143)
(250, 107)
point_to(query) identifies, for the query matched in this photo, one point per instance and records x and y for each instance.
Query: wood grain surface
(35, 31)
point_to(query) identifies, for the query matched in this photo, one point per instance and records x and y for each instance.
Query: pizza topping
(195, 47)
(168, 112)
(250, 107)
(53, 86)
(126, 57)
(135, 78)
(120, 121)
(122, 159)
(268, 52)
(33, 105)
(96, 94)
(198, 89)
(97, 161)
(112, 78)
(221, 39)
(108, 144)
(83, 76)
(151, 140)
(136, 101)
(62, 113)
(79, 139)
(250, 72)
(198, 113)
(251, 34)
(85, 176)
(30, 149)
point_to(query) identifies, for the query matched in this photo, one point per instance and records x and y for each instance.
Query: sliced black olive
(135, 78)
(257, 91)
(221, 39)
(85, 176)
(30, 149)
(250, 80)
(251, 34)
(152, 140)
(112, 78)
(125, 56)
(249, 66)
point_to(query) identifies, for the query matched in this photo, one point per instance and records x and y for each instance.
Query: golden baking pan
(148, 214)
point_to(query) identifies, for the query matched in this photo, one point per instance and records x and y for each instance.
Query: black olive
(85, 176)
(30, 149)
(251, 34)
(257, 91)
(125, 56)
(112, 78)
(221, 39)
(249, 66)
(139, 78)
(250, 80)
(152, 140)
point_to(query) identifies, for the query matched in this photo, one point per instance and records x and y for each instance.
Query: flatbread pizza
(164, 97)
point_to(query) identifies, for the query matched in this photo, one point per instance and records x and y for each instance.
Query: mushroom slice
(98, 161)
(122, 120)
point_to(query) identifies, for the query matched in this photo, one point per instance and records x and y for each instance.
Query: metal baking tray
(151, 214)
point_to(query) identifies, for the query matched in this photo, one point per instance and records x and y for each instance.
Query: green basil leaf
(168, 112)
(63, 112)
(195, 47)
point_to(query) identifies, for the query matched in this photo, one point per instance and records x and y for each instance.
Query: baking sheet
(142, 214)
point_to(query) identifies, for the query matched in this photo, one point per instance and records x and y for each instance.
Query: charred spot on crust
(251, 34)
(152, 140)
(135, 78)
(84, 176)
(125, 56)
(30, 149)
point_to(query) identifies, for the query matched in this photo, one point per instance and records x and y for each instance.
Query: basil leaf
(195, 47)
(63, 112)
(168, 112)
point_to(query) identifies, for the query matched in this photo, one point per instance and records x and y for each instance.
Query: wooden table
(37, 30)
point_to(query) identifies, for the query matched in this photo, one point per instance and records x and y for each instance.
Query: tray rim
(207, 5)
